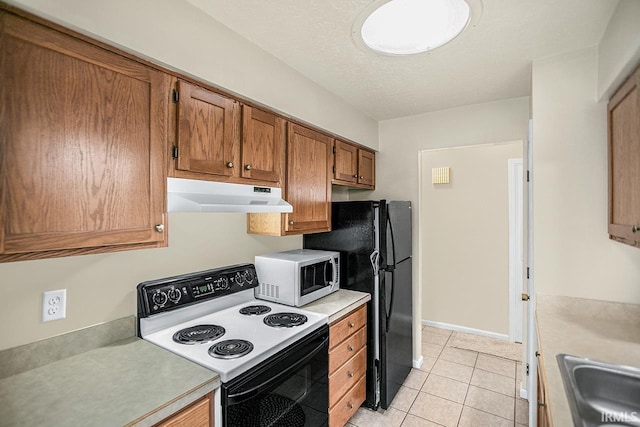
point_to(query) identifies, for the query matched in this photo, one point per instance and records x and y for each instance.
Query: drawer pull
(350, 374)
(351, 324)
(350, 348)
(350, 405)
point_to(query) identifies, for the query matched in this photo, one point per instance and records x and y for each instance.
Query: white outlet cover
(54, 305)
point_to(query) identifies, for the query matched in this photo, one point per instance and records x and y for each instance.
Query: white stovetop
(266, 340)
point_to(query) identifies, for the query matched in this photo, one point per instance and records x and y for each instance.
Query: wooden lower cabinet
(199, 414)
(347, 366)
(544, 417)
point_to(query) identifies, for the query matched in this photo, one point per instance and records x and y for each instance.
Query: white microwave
(297, 277)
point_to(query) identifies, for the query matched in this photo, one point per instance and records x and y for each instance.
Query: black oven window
(301, 401)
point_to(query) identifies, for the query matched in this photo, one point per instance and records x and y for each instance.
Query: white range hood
(190, 195)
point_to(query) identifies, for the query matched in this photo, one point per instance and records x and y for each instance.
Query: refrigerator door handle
(391, 268)
(375, 261)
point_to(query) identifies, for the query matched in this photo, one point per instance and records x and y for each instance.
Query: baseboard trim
(465, 329)
(418, 363)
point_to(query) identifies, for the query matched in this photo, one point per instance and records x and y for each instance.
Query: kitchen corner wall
(573, 255)
(402, 139)
(101, 288)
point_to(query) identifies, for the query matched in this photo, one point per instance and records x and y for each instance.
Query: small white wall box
(440, 175)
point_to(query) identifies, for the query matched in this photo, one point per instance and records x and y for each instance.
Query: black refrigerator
(374, 241)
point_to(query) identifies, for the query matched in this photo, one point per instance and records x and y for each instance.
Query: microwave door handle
(334, 267)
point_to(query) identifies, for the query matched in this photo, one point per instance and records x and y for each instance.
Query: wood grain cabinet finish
(624, 162)
(262, 147)
(207, 131)
(544, 413)
(353, 166)
(307, 189)
(199, 414)
(218, 139)
(347, 365)
(82, 146)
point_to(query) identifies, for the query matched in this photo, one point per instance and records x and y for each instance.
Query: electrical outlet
(54, 305)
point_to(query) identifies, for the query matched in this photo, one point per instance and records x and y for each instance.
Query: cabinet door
(82, 142)
(366, 168)
(345, 162)
(262, 149)
(308, 180)
(624, 162)
(207, 131)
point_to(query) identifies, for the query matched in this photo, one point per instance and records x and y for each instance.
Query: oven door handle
(266, 385)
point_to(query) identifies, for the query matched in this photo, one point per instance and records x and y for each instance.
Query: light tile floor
(454, 387)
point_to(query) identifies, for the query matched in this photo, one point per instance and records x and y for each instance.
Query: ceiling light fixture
(405, 27)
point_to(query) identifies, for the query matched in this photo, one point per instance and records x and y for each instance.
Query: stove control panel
(167, 294)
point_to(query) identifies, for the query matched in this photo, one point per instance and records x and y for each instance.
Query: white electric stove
(213, 319)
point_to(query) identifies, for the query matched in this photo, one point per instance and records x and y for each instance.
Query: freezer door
(398, 223)
(396, 348)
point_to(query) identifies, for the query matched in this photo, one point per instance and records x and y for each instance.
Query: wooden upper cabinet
(353, 166)
(345, 162)
(367, 168)
(207, 131)
(624, 162)
(82, 146)
(308, 187)
(262, 147)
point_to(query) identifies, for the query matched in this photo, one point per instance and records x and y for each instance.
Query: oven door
(289, 389)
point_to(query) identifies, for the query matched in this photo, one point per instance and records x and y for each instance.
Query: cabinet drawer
(347, 349)
(346, 376)
(348, 405)
(196, 415)
(344, 328)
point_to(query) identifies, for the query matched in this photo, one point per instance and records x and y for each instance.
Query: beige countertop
(598, 330)
(129, 381)
(338, 303)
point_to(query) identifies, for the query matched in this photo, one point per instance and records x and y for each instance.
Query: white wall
(402, 139)
(465, 236)
(619, 48)
(102, 287)
(572, 251)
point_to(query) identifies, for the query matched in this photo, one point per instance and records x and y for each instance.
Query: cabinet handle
(291, 222)
(351, 324)
(350, 374)
(355, 176)
(361, 177)
(350, 348)
(350, 405)
(635, 228)
(248, 167)
(159, 228)
(230, 165)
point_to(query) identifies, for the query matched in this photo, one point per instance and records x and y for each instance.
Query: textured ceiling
(487, 62)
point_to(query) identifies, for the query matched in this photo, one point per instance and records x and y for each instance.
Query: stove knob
(248, 277)
(159, 298)
(238, 279)
(174, 295)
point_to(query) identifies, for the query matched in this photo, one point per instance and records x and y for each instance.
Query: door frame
(516, 247)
